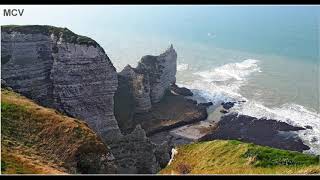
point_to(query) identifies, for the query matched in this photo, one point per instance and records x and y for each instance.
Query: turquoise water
(268, 56)
(285, 30)
(285, 40)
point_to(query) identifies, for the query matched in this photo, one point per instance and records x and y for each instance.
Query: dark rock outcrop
(63, 70)
(224, 111)
(180, 90)
(171, 112)
(265, 132)
(140, 88)
(207, 104)
(124, 105)
(228, 105)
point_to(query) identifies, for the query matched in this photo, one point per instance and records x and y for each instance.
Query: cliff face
(162, 71)
(124, 105)
(62, 70)
(140, 88)
(135, 153)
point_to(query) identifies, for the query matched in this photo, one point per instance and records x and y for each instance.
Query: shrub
(184, 168)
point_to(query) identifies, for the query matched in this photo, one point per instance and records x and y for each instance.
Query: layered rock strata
(150, 80)
(135, 153)
(172, 112)
(139, 85)
(62, 70)
(162, 71)
(124, 105)
(180, 90)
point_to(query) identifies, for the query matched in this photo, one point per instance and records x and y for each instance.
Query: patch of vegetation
(13, 166)
(3, 165)
(236, 157)
(64, 33)
(184, 168)
(35, 139)
(269, 157)
(234, 142)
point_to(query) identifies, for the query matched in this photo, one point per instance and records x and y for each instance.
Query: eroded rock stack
(139, 88)
(162, 71)
(150, 80)
(62, 70)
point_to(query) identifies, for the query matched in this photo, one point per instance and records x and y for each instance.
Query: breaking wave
(222, 83)
(182, 67)
(237, 71)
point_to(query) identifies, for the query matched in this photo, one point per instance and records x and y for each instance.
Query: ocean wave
(237, 71)
(223, 83)
(182, 67)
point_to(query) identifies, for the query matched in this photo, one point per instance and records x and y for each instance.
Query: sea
(265, 55)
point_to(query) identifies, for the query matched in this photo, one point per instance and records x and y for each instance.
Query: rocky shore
(267, 132)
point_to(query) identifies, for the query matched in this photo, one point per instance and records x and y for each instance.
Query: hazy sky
(234, 25)
(82, 18)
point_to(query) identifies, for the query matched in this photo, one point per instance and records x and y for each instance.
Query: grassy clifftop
(64, 33)
(39, 140)
(234, 157)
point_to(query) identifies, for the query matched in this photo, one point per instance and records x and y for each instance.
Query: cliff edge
(60, 69)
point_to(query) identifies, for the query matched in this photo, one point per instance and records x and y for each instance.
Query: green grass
(269, 157)
(235, 157)
(35, 139)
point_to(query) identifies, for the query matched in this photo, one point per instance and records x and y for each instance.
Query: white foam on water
(223, 83)
(182, 67)
(292, 114)
(237, 71)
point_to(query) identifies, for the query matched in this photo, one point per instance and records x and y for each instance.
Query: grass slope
(235, 157)
(38, 140)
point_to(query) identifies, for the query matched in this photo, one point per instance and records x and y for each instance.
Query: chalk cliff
(150, 80)
(140, 87)
(62, 70)
(162, 71)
